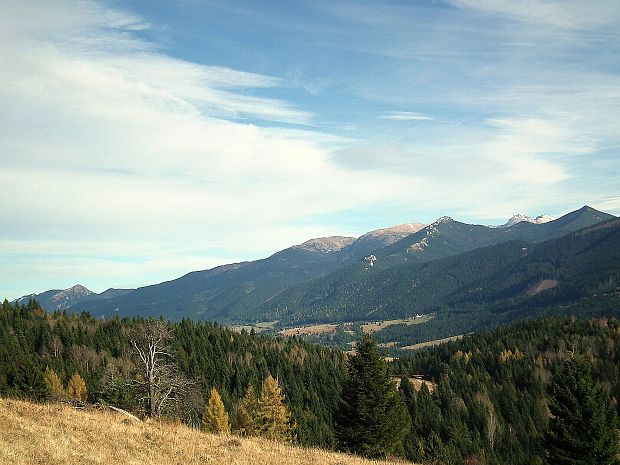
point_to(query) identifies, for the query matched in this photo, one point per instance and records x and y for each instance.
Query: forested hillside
(576, 274)
(489, 399)
(447, 237)
(207, 355)
(484, 398)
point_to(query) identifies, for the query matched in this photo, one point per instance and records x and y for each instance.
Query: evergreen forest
(483, 399)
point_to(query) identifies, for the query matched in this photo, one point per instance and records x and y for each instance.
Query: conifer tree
(272, 415)
(582, 428)
(373, 419)
(247, 413)
(53, 387)
(215, 418)
(76, 389)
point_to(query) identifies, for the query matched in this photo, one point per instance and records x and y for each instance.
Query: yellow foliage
(246, 413)
(465, 356)
(215, 418)
(76, 389)
(507, 354)
(53, 386)
(273, 416)
(266, 416)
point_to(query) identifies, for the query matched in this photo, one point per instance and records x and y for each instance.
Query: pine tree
(76, 389)
(373, 419)
(582, 428)
(53, 387)
(272, 414)
(215, 418)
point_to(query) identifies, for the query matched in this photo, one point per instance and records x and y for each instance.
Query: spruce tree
(53, 387)
(76, 389)
(215, 418)
(582, 427)
(373, 419)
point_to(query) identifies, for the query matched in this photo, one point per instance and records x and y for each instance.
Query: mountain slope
(447, 237)
(248, 291)
(62, 299)
(506, 277)
(59, 299)
(238, 288)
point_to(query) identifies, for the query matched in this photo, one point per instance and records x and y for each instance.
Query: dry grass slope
(59, 434)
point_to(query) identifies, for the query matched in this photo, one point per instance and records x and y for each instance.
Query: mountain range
(391, 272)
(578, 273)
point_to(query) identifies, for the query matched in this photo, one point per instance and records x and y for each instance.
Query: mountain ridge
(236, 292)
(489, 284)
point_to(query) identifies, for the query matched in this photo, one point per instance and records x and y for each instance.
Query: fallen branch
(125, 412)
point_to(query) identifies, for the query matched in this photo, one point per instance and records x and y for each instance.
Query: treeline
(486, 396)
(206, 355)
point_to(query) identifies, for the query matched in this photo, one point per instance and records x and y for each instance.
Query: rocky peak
(74, 292)
(387, 236)
(326, 244)
(443, 219)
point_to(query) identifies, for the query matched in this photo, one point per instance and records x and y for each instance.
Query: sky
(143, 140)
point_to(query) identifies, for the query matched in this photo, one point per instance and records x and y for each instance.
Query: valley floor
(59, 434)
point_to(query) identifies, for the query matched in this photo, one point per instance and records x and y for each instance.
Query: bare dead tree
(159, 378)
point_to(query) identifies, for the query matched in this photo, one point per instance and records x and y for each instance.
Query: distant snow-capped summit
(520, 217)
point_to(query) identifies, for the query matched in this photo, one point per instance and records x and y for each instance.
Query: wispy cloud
(119, 156)
(406, 116)
(565, 14)
(116, 139)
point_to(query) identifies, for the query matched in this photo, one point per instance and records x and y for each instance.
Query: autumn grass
(59, 434)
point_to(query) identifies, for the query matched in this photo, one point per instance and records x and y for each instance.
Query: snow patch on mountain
(520, 217)
(430, 230)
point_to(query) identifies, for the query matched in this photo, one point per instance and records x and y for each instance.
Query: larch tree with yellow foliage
(76, 389)
(53, 387)
(215, 418)
(273, 417)
(266, 416)
(247, 414)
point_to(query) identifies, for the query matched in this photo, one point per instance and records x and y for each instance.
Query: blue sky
(142, 140)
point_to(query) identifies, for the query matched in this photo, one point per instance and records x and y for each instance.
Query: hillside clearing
(379, 325)
(434, 342)
(313, 329)
(59, 434)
